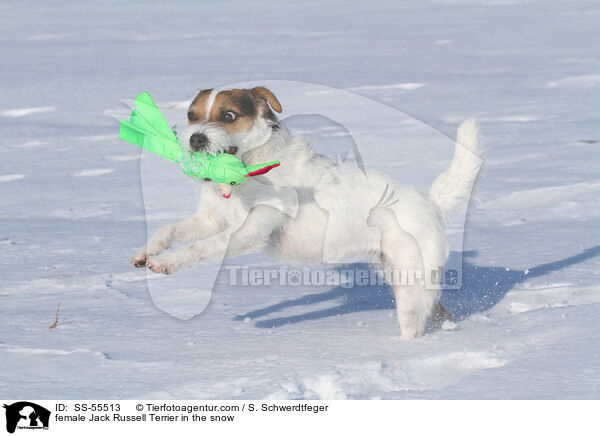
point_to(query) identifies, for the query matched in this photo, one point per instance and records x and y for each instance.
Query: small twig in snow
(53, 326)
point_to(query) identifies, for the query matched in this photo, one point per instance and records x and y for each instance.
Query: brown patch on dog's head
(195, 114)
(235, 110)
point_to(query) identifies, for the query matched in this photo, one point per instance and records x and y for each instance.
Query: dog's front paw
(139, 260)
(159, 267)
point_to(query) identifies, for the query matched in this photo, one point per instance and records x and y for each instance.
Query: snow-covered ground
(527, 318)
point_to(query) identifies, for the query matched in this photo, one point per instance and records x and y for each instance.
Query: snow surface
(72, 212)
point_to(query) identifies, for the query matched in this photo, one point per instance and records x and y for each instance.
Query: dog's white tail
(455, 185)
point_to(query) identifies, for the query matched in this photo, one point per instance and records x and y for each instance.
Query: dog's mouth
(230, 150)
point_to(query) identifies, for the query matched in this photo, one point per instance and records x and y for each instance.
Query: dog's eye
(192, 116)
(229, 116)
(232, 183)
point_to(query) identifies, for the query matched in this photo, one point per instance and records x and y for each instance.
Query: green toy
(148, 128)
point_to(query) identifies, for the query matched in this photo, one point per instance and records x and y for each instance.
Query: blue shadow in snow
(483, 287)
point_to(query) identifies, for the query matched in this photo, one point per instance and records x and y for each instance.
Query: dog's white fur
(336, 219)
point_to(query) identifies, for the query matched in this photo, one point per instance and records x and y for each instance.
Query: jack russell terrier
(341, 214)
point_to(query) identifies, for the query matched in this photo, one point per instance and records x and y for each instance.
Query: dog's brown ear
(269, 97)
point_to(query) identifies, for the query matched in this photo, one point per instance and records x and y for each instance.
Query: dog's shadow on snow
(483, 287)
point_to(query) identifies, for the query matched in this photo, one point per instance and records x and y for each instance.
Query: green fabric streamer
(148, 128)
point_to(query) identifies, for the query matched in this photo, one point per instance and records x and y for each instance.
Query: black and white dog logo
(26, 415)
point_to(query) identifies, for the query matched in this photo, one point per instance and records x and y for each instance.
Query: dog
(340, 213)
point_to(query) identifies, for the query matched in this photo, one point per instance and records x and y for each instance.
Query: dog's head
(230, 121)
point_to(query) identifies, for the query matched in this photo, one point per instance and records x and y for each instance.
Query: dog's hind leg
(414, 301)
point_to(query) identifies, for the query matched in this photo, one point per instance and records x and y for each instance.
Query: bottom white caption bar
(298, 417)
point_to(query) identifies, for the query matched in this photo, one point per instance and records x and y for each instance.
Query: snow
(14, 113)
(11, 177)
(399, 77)
(585, 81)
(541, 197)
(94, 172)
(406, 86)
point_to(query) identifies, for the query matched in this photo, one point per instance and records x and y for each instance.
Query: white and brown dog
(340, 214)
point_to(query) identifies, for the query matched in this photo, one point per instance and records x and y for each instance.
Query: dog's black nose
(198, 141)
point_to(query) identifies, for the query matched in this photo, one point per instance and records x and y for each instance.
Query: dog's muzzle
(198, 142)
(205, 138)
